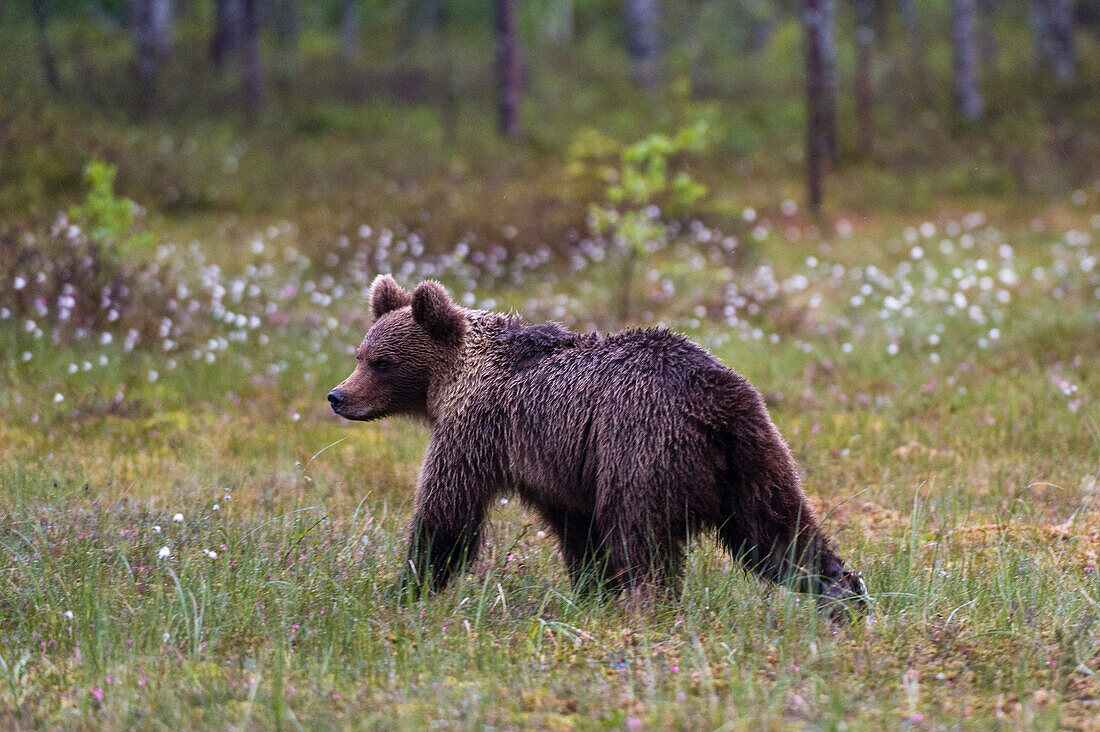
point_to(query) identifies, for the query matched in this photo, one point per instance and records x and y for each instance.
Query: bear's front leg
(785, 544)
(451, 502)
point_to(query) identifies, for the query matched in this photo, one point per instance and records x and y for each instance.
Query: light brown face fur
(392, 372)
(411, 342)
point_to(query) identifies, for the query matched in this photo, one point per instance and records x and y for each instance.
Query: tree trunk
(558, 25)
(349, 30)
(968, 98)
(880, 12)
(286, 23)
(45, 53)
(814, 21)
(828, 76)
(913, 40)
(641, 25)
(228, 18)
(691, 44)
(251, 69)
(759, 33)
(987, 38)
(1052, 31)
(865, 39)
(419, 17)
(1062, 30)
(152, 42)
(285, 20)
(509, 66)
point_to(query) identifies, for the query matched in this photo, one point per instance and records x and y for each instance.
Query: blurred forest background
(884, 213)
(417, 113)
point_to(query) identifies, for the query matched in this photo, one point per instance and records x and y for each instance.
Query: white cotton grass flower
(164, 552)
(58, 398)
(178, 518)
(215, 507)
(156, 528)
(210, 553)
(68, 614)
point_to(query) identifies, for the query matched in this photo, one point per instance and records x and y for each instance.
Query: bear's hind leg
(580, 547)
(644, 552)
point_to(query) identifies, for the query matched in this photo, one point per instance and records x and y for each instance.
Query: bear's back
(638, 405)
(632, 374)
(623, 354)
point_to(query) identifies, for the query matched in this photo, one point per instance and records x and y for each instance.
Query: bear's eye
(381, 365)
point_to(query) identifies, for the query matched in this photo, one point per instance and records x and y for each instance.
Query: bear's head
(414, 340)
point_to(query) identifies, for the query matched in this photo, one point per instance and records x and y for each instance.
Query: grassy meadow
(190, 539)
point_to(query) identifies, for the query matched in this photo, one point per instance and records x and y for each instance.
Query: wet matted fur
(625, 444)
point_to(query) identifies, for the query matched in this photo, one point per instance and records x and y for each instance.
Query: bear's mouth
(365, 415)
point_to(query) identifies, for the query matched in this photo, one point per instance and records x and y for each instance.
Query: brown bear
(624, 444)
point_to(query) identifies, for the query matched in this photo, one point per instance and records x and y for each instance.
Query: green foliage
(16, 676)
(639, 175)
(109, 220)
(645, 170)
(645, 187)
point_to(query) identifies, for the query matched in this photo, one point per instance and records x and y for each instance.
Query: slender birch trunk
(509, 66)
(968, 98)
(865, 39)
(641, 25)
(45, 52)
(252, 72)
(816, 142)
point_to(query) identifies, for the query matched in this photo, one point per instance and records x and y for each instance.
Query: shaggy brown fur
(624, 444)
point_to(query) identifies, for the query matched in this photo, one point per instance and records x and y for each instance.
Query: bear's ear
(387, 295)
(434, 312)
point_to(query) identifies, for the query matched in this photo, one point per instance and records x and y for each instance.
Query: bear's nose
(336, 398)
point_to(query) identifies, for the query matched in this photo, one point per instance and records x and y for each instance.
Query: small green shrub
(109, 221)
(642, 191)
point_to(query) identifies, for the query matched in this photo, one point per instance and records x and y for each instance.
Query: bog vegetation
(189, 537)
